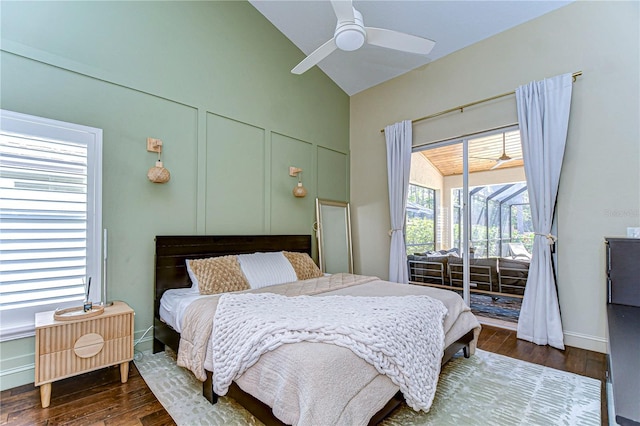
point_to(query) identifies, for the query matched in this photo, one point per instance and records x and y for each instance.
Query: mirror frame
(320, 237)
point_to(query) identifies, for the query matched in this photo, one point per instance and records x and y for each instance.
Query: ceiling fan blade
(399, 41)
(498, 164)
(343, 10)
(316, 56)
(503, 161)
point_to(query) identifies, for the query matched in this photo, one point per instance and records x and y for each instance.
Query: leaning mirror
(333, 220)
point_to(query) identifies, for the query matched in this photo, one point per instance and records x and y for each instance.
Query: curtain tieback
(391, 231)
(551, 239)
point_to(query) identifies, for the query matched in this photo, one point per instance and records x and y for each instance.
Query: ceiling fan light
(349, 40)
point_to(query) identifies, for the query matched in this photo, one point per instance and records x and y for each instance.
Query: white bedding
(358, 389)
(397, 335)
(173, 304)
(260, 269)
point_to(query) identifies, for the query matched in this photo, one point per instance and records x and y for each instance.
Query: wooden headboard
(172, 251)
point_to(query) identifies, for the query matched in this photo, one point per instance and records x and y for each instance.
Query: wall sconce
(299, 191)
(157, 173)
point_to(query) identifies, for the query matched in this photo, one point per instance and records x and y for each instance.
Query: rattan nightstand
(68, 348)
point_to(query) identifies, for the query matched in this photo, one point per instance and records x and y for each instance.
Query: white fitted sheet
(173, 304)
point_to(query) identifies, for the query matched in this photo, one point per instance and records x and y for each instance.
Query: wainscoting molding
(290, 214)
(235, 175)
(333, 174)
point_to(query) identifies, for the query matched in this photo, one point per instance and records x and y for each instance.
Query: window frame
(20, 323)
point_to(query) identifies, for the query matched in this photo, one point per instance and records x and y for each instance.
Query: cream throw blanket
(197, 322)
(402, 337)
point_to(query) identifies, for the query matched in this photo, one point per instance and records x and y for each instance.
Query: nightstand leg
(45, 395)
(124, 372)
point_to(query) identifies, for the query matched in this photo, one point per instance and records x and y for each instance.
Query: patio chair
(518, 250)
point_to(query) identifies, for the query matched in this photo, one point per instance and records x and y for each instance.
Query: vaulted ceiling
(453, 25)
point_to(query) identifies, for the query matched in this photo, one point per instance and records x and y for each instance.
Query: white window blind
(50, 218)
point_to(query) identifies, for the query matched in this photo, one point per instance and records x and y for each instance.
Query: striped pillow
(265, 269)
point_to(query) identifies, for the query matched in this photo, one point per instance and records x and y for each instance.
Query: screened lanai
(500, 216)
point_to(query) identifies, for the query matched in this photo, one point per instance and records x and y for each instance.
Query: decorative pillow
(304, 266)
(218, 274)
(194, 280)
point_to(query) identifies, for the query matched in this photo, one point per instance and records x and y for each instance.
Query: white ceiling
(453, 25)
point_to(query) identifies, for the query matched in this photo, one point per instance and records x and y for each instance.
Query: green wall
(212, 80)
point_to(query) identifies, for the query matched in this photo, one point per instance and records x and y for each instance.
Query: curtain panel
(543, 114)
(399, 138)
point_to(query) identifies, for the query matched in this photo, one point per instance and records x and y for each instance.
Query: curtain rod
(462, 107)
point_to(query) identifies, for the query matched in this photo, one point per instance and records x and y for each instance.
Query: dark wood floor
(98, 398)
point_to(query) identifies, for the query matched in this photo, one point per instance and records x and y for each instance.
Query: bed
(171, 273)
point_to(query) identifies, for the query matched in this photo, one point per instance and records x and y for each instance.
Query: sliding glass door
(480, 210)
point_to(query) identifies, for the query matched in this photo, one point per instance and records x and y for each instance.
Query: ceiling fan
(504, 158)
(351, 34)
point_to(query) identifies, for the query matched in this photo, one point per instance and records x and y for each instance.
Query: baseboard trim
(17, 376)
(585, 341)
(144, 344)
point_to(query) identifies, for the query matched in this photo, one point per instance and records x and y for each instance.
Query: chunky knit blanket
(402, 337)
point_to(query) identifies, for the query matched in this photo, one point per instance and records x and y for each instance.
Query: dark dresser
(623, 315)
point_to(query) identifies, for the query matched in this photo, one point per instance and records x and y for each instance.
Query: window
(50, 218)
(420, 226)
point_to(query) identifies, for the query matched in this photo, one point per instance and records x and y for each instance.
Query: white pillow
(265, 269)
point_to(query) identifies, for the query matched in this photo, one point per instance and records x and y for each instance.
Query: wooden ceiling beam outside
(483, 154)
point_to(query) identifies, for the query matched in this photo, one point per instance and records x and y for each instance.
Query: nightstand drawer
(66, 363)
(63, 337)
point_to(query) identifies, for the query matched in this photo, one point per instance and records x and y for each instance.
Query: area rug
(487, 389)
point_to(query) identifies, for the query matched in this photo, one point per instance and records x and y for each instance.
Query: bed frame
(171, 272)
